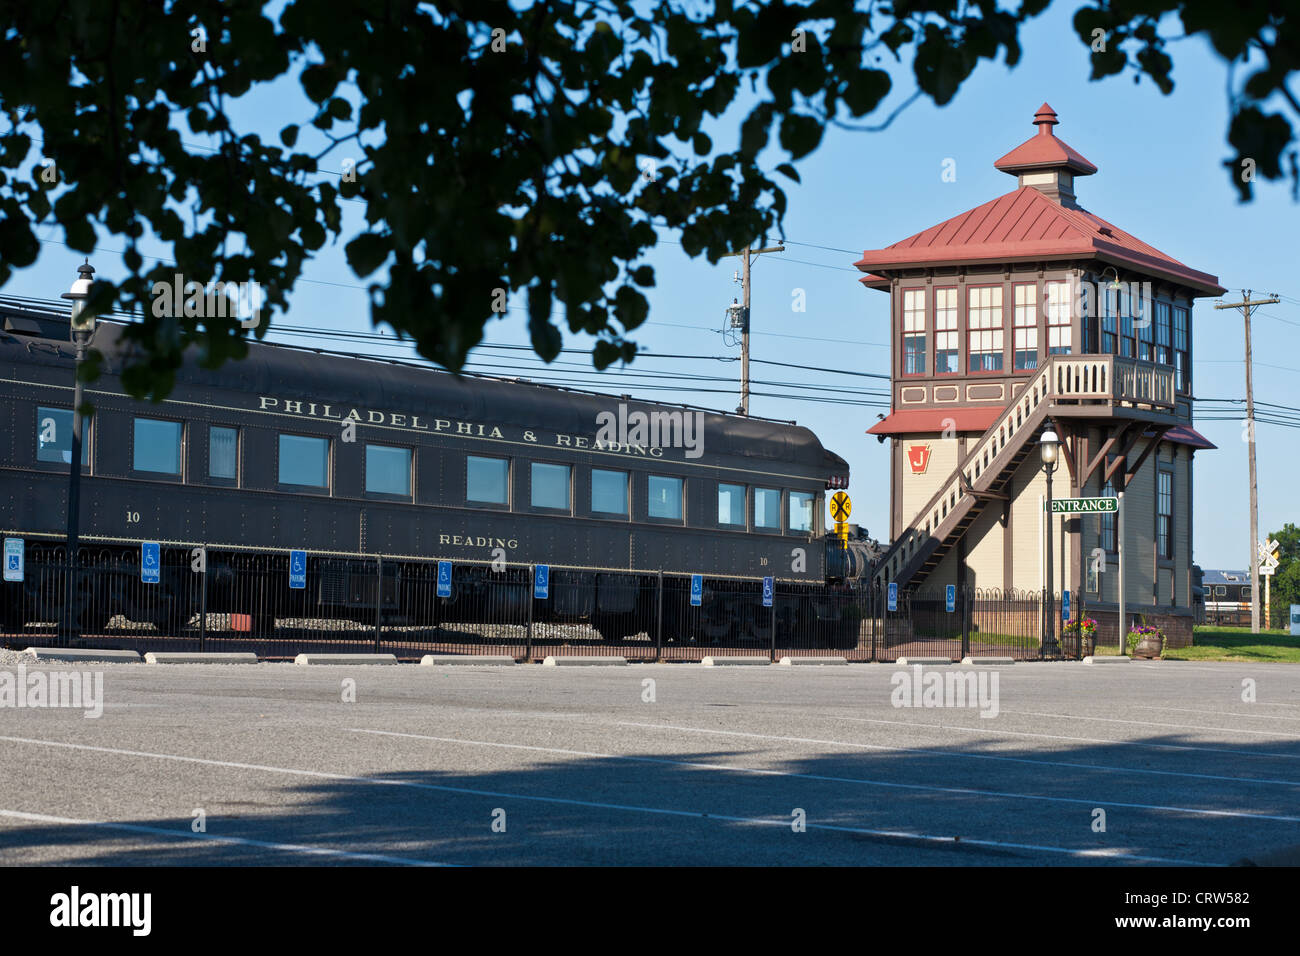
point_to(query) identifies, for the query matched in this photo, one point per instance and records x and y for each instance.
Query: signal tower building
(1026, 313)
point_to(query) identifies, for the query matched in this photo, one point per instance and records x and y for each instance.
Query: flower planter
(1149, 646)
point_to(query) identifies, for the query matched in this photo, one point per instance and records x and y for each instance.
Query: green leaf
(367, 252)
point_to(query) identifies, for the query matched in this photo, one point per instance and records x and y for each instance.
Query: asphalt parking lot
(666, 764)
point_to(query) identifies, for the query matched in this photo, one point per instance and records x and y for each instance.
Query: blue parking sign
(1065, 604)
(297, 569)
(767, 592)
(13, 559)
(697, 590)
(893, 595)
(541, 582)
(950, 598)
(150, 562)
(444, 579)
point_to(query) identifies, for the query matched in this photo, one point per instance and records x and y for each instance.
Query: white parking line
(212, 838)
(782, 822)
(1215, 713)
(892, 785)
(1094, 740)
(1151, 723)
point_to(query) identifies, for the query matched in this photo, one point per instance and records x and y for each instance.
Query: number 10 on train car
(697, 590)
(541, 582)
(444, 579)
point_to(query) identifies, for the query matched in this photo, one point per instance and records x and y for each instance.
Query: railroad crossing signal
(841, 507)
(1268, 557)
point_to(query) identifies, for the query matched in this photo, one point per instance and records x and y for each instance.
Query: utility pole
(1247, 305)
(745, 255)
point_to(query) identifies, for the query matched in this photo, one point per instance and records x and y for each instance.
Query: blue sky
(1160, 178)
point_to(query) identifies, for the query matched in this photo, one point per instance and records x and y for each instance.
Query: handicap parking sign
(767, 592)
(542, 582)
(13, 559)
(697, 590)
(893, 595)
(297, 569)
(950, 598)
(150, 562)
(444, 579)
(1065, 604)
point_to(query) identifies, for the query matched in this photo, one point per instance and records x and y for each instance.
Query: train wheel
(613, 628)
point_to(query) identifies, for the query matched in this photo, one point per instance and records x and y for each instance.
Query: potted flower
(1145, 640)
(1086, 631)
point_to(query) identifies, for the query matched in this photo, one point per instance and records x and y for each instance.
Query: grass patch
(1216, 643)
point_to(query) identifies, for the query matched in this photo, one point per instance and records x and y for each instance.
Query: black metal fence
(234, 601)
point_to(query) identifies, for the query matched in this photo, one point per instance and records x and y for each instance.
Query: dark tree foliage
(498, 148)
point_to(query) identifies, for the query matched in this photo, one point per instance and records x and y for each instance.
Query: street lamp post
(1049, 446)
(83, 324)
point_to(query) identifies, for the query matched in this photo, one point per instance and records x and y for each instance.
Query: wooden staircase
(1066, 384)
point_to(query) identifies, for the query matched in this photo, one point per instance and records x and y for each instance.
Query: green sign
(1084, 506)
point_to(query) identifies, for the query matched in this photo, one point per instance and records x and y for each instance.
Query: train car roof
(38, 333)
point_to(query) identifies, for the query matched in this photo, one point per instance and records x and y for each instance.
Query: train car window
(157, 446)
(1245, 594)
(664, 497)
(388, 470)
(1219, 589)
(801, 511)
(487, 480)
(731, 505)
(767, 508)
(304, 460)
(550, 485)
(223, 452)
(54, 436)
(608, 491)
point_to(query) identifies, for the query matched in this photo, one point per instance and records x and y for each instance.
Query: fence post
(532, 583)
(966, 600)
(772, 622)
(379, 597)
(659, 616)
(203, 601)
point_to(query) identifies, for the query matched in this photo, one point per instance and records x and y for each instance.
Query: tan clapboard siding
(919, 489)
(1139, 536)
(944, 574)
(1183, 527)
(984, 548)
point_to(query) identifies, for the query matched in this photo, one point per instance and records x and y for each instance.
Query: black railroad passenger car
(347, 456)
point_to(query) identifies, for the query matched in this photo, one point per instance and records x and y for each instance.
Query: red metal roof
(966, 419)
(1027, 225)
(1044, 151)
(1186, 435)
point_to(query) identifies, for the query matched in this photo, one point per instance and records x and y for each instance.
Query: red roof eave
(966, 419)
